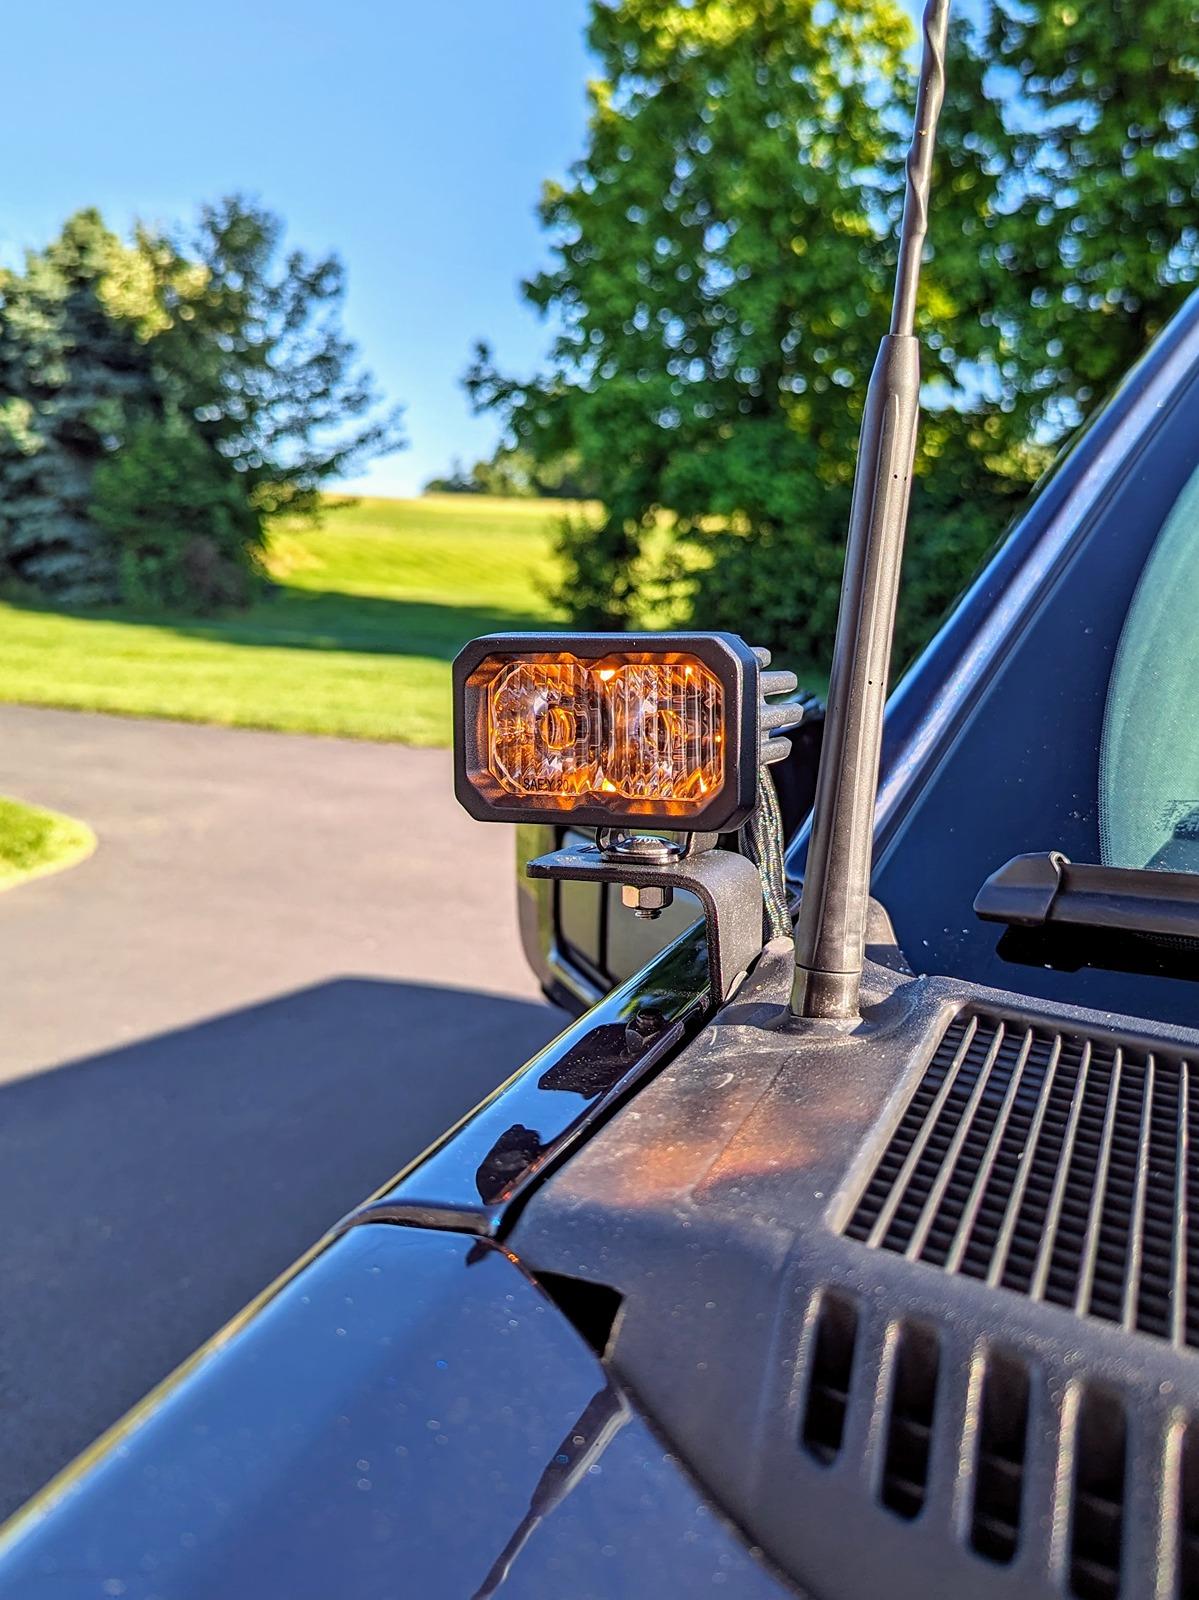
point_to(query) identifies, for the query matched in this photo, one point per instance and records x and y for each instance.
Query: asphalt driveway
(291, 963)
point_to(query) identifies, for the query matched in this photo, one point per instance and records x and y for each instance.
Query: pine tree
(253, 353)
(211, 350)
(73, 375)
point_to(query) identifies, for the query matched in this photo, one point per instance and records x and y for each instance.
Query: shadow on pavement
(148, 1193)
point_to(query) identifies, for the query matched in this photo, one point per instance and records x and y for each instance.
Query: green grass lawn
(372, 607)
(34, 842)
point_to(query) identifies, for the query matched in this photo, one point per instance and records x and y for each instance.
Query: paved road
(291, 963)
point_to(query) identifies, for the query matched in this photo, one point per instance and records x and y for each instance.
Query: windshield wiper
(1068, 914)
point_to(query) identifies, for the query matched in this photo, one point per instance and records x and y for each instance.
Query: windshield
(1085, 740)
(1149, 759)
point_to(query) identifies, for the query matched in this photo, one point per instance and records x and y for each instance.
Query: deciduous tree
(722, 264)
(1072, 236)
(720, 270)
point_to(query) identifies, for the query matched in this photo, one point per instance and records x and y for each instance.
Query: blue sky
(411, 137)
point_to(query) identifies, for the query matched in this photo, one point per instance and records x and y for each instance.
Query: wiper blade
(1032, 891)
(1068, 914)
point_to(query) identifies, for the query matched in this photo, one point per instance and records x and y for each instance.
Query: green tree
(722, 267)
(216, 348)
(252, 352)
(1070, 225)
(506, 472)
(720, 276)
(514, 473)
(184, 534)
(456, 481)
(73, 372)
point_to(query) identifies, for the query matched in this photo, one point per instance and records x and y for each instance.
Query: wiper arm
(1033, 891)
(1070, 914)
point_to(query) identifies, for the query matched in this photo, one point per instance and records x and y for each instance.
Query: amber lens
(634, 729)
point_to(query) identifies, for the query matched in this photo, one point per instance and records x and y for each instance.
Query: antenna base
(826, 995)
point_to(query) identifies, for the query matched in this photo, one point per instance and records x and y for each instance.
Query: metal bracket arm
(726, 885)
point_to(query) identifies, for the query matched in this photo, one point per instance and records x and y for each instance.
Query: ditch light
(612, 729)
(627, 733)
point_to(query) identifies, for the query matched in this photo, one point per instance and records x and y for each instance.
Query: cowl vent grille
(1055, 1164)
(829, 1380)
(976, 1420)
(915, 1365)
(999, 1470)
(1097, 1513)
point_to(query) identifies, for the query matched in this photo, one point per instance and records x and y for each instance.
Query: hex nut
(649, 897)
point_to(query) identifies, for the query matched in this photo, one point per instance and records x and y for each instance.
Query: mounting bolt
(647, 902)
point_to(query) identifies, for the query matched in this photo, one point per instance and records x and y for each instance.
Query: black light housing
(611, 729)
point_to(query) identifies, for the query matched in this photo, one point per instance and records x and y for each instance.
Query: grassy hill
(370, 610)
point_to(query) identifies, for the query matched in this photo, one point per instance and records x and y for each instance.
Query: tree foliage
(514, 473)
(184, 533)
(1072, 149)
(211, 347)
(254, 355)
(73, 375)
(721, 270)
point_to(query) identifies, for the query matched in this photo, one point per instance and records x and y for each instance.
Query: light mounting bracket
(726, 885)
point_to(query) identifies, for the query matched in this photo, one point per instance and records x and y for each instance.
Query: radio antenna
(831, 932)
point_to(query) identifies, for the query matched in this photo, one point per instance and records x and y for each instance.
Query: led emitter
(643, 730)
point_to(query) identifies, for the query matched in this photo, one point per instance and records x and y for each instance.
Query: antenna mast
(831, 932)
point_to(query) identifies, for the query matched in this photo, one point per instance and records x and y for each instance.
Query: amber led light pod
(607, 728)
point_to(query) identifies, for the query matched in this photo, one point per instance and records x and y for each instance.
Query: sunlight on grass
(34, 842)
(371, 608)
